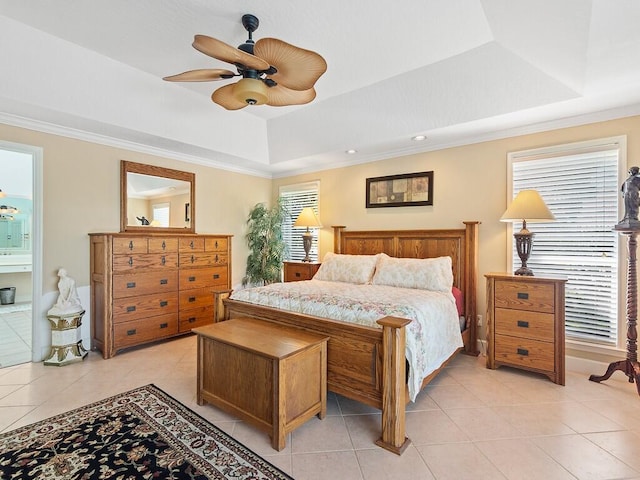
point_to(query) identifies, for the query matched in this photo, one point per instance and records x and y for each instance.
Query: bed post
(393, 385)
(470, 285)
(337, 238)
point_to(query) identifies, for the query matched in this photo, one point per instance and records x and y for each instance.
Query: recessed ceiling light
(351, 151)
(419, 138)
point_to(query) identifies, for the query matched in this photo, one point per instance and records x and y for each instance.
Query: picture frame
(405, 190)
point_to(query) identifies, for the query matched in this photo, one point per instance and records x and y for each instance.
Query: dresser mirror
(156, 199)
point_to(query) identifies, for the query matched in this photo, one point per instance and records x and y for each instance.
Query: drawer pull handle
(164, 325)
(131, 245)
(192, 279)
(297, 274)
(216, 243)
(523, 296)
(192, 299)
(131, 284)
(131, 332)
(193, 259)
(192, 319)
(131, 309)
(164, 245)
(523, 351)
(191, 244)
(130, 261)
(164, 260)
(216, 258)
(216, 276)
(164, 303)
(523, 324)
(163, 281)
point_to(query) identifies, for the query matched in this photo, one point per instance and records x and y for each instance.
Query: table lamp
(307, 218)
(528, 206)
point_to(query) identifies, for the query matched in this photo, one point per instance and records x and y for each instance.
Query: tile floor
(471, 423)
(15, 334)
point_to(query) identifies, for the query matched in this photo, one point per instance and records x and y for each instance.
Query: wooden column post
(393, 385)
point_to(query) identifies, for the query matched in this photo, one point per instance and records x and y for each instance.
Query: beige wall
(469, 184)
(82, 194)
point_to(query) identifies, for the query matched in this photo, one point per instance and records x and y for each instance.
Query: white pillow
(421, 273)
(356, 269)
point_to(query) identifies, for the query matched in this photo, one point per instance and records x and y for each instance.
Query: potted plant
(266, 246)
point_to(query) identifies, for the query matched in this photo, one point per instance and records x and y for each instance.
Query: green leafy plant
(266, 246)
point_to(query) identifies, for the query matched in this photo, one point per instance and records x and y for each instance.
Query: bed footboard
(363, 363)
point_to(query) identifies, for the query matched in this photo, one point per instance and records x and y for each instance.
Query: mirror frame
(132, 167)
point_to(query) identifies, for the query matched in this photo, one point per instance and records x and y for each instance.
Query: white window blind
(299, 196)
(582, 189)
(161, 214)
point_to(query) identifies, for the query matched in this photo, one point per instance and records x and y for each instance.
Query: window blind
(161, 214)
(582, 190)
(299, 196)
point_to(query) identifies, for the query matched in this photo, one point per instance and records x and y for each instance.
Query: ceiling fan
(273, 72)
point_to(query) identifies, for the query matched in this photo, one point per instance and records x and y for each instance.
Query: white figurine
(68, 299)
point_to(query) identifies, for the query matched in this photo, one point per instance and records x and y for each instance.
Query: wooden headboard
(459, 244)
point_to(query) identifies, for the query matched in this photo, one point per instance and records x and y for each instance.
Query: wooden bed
(368, 364)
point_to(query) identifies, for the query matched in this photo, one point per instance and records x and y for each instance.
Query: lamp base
(306, 243)
(524, 242)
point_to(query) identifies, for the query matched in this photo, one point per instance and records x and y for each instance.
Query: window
(580, 183)
(298, 197)
(161, 214)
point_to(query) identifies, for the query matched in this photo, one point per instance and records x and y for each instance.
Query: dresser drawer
(135, 284)
(141, 331)
(126, 245)
(133, 308)
(202, 259)
(524, 352)
(203, 277)
(525, 324)
(536, 297)
(163, 245)
(130, 263)
(216, 244)
(191, 244)
(194, 318)
(200, 297)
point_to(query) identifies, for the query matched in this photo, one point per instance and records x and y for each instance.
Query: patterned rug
(144, 433)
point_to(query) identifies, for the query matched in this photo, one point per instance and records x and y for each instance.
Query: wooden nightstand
(525, 323)
(296, 271)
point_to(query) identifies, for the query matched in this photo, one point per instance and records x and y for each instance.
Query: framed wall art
(406, 190)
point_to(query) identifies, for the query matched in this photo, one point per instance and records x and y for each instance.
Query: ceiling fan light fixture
(251, 91)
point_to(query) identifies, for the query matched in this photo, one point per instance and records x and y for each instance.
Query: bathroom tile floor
(15, 334)
(469, 423)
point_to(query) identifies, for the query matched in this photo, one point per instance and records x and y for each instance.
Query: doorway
(20, 251)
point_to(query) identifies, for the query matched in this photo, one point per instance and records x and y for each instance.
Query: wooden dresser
(296, 271)
(145, 287)
(525, 324)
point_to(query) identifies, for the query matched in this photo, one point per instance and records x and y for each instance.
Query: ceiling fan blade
(298, 69)
(202, 75)
(224, 97)
(225, 52)
(280, 96)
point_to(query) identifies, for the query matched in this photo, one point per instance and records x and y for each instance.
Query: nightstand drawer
(524, 324)
(524, 352)
(296, 271)
(536, 297)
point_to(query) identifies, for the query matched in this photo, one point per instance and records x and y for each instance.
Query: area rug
(143, 433)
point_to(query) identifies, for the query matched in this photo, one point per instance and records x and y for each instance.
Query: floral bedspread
(431, 337)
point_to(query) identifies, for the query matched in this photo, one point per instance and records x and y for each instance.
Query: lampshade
(307, 218)
(528, 206)
(251, 91)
